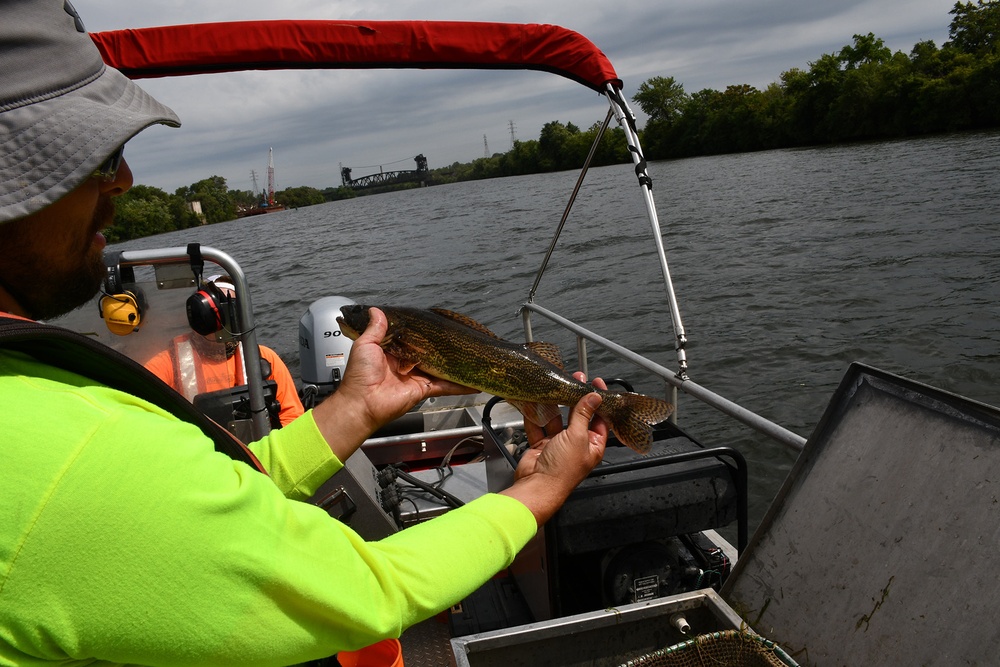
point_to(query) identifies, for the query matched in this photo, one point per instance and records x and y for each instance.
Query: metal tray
(605, 638)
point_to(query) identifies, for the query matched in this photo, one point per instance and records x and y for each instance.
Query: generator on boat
(634, 530)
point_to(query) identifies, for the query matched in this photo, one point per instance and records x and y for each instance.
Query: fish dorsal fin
(466, 320)
(547, 351)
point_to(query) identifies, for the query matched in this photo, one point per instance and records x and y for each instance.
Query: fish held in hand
(453, 347)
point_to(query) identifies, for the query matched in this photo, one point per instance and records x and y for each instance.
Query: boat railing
(674, 380)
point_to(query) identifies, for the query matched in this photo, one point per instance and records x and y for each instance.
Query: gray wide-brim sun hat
(62, 110)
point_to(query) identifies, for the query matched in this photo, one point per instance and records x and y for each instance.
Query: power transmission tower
(486, 147)
(513, 135)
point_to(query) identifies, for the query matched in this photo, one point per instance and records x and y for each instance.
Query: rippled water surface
(788, 265)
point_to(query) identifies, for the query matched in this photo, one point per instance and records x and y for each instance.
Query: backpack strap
(92, 359)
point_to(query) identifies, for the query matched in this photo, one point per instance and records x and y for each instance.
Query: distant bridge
(386, 177)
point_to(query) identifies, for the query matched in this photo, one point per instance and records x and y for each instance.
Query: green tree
(661, 98)
(300, 196)
(975, 28)
(522, 158)
(737, 124)
(612, 149)
(142, 211)
(341, 192)
(180, 209)
(216, 203)
(244, 199)
(926, 59)
(554, 146)
(864, 107)
(825, 82)
(866, 50)
(692, 132)
(797, 127)
(775, 117)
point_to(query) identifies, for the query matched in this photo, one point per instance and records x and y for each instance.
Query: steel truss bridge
(386, 177)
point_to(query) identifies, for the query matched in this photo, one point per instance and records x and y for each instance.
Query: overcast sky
(317, 121)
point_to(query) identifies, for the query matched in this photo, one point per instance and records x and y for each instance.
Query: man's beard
(70, 290)
(46, 292)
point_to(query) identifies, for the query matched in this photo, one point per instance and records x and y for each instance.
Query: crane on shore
(270, 176)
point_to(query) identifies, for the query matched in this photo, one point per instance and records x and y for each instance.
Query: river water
(788, 266)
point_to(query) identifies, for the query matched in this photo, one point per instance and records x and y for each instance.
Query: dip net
(729, 647)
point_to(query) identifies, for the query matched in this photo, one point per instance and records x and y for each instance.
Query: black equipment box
(632, 498)
(626, 521)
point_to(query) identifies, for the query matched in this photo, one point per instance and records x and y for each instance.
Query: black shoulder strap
(92, 359)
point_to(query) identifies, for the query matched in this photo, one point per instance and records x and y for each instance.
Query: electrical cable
(416, 508)
(450, 499)
(372, 166)
(390, 501)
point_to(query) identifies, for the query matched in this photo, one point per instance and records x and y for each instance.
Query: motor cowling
(323, 349)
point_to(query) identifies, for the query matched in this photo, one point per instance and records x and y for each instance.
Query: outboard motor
(323, 349)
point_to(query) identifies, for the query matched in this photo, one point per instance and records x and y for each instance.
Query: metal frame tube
(760, 424)
(626, 120)
(260, 422)
(569, 205)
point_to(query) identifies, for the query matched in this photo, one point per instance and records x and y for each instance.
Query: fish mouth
(347, 329)
(353, 320)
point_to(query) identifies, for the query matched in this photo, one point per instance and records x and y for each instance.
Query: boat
(867, 555)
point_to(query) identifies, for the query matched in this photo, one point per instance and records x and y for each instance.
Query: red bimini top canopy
(247, 45)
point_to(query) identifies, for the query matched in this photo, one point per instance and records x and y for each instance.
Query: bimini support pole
(569, 205)
(626, 120)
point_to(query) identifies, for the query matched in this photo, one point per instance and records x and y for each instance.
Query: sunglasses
(108, 170)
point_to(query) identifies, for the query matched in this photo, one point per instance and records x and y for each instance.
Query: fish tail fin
(631, 418)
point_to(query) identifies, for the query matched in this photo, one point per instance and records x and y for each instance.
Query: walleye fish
(529, 376)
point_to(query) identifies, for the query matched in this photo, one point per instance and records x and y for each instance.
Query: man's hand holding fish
(374, 392)
(549, 471)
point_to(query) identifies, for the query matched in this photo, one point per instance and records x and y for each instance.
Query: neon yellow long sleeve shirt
(126, 539)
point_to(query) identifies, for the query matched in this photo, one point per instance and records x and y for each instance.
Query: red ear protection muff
(208, 310)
